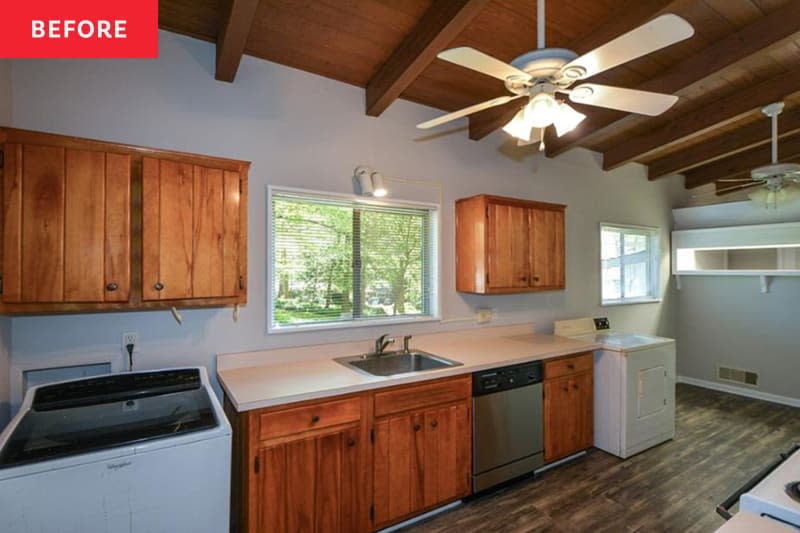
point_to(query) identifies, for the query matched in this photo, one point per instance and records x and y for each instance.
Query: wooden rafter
(694, 123)
(758, 36)
(755, 134)
(232, 39)
(740, 163)
(437, 28)
(623, 20)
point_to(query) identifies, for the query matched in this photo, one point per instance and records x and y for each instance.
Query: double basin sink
(394, 363)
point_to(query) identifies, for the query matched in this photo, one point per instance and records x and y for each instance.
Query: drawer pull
(111, 287)
(417, 427)
(314, 419)
(575, 387)
(565, 389)
(571, 366)
(434, 424)
(351, 442)
(159, 286)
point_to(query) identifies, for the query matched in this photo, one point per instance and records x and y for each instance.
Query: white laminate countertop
(256, 380)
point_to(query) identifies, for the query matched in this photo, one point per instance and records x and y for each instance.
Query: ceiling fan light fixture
(519, 127)
(567, 119)
(542, 110)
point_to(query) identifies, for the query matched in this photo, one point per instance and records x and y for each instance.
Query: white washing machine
(634, 386)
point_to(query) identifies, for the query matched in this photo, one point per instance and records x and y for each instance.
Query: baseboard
(741, 391)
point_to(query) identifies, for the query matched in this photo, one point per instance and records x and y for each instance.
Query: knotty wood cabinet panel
(192, 231)
(310, 484)
(568, 407)
(66, 229)
(507, 245)
(546, 250)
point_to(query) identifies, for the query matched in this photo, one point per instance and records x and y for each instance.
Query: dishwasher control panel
(506, 378)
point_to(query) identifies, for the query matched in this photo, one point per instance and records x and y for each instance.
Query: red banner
(79, 28)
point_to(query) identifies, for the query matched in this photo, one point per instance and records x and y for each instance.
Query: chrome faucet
(381, 343)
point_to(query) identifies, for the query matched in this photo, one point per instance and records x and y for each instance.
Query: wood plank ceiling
(745, 54)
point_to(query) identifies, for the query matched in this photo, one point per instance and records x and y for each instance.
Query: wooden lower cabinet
(568, 406)
(312, 484)
(353, 463)
(422, 460)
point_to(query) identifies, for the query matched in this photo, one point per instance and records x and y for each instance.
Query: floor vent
(737, 375)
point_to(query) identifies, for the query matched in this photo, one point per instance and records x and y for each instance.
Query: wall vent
(737, 375)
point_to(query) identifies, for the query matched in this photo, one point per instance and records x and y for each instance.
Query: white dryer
(634, 386)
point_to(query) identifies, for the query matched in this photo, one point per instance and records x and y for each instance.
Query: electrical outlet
(484, 316)
(130, 337)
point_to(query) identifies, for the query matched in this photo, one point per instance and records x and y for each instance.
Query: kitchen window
(629, 264)
(339, 261)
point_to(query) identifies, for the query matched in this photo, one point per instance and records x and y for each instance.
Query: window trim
(435, 284)
(654, 283)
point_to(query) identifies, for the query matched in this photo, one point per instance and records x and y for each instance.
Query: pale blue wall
(306, 131)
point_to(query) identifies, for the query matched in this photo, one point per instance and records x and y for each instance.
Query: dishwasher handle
(723, 509)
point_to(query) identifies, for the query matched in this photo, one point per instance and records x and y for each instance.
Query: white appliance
(774, 493)
(634, 386)
(120, 453)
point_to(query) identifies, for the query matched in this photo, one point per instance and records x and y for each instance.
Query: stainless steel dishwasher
(507, 426)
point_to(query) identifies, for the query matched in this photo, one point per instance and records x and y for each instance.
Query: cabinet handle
(571, 366)
(111, 287)
(576, 387)
(535, 278)
(159, 286)
(314, 419)
(351, 442)
(565, 389)
(417, 427)
(523, 278)
(434, 424)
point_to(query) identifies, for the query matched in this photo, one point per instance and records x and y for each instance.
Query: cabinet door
(311, 485)
(447, 461)
(398, 467)
(190, 231)
(507, 246)
(568, 415)
(546, 235)
(582, 388)
(66, 233)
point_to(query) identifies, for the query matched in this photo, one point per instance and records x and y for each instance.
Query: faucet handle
(406, 340)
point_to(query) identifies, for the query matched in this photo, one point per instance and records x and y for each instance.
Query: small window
(629, 264)
(339, 261)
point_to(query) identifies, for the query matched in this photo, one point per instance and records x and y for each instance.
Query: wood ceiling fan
(778, 181)
(541, 74)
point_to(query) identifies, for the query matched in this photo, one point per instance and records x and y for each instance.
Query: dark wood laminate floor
(721, 440)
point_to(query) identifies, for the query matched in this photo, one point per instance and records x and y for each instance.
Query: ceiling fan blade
(735, 180)
(473, 59)
(630, 100)
(658, 33)
(468, 111)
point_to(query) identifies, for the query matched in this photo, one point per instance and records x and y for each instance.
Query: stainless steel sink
(394, 363)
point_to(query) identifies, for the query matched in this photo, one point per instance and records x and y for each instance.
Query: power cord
(129, 347)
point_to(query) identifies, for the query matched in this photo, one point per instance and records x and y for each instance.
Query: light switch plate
(484, 316)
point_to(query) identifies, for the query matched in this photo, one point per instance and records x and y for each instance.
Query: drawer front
(416, 397)
(309, 417)
(568, 366)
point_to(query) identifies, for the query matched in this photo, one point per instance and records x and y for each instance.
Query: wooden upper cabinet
(66, 227)
(90, 226)
(192, 231)
(507, 245)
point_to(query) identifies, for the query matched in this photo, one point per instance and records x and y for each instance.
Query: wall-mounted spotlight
(370, 182)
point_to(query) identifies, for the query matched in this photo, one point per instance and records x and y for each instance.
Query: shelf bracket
(677, 282)
(765, 280)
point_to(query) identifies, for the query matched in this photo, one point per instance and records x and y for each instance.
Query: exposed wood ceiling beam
(437, 28)
(694, 123)
(743, 162)
(755, 134)
(622, 20)
(764, 33)
(233, 38)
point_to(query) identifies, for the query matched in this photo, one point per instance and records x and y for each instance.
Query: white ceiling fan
(541, 74)
(779, 180)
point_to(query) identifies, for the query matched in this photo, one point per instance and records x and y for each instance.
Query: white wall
(727, 320)
(306, 131)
